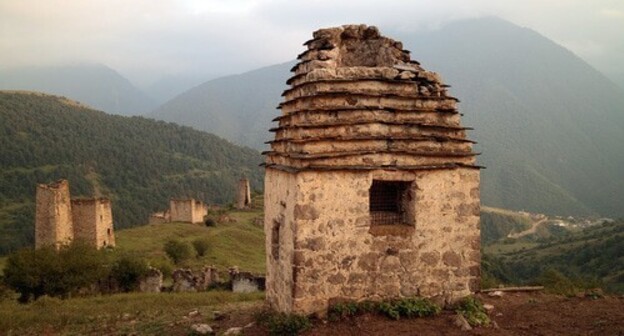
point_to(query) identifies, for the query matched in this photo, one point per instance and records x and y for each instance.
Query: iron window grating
(387, 202)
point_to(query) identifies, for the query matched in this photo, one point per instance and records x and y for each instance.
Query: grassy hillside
(240, 243)
(139, 163)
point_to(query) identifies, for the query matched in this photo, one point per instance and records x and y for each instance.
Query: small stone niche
(371, 184)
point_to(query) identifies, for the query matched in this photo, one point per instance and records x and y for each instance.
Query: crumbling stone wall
(187, 210)
(93, 221)
(359, 112)
(53, 215)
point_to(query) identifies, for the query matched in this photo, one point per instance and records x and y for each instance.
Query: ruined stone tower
(53, 216)
(371, 187)
(60, 220)
(243, 194)
(93, 221)
(187, 210)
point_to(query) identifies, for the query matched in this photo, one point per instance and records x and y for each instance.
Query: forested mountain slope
(139, 163)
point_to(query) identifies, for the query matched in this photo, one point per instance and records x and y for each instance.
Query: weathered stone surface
(152, 282)
(183, 280)
(243, 194)
(306, 212)
(430, 258)
(202, 329)
(461, 322)
(451, 258)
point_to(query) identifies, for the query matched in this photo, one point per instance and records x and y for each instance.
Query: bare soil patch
(513, 314)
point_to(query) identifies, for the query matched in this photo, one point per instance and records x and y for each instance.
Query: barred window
(388, 202)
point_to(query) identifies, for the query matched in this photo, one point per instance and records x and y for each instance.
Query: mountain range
(548, 124)
(93, 84)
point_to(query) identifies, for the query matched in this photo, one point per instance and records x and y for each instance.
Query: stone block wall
(53, 215)
(338, 254)
(93, 221)
(187, 210)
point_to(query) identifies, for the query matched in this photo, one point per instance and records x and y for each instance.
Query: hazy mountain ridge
(237, 107)
(548, 124)
(93, 84)
(539, 111)
(139, 163)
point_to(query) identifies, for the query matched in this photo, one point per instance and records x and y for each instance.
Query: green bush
(57, 273)
(201, 246)
(394, 309)
(179, 251)
(283, 324)
(128, 271)
(409, 308)
(473, 311)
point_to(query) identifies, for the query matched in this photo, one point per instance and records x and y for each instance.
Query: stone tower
(53, 216)
(243, 194)
(371, 186)
(93, 221)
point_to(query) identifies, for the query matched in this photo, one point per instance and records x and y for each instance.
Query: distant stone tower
(187, 210)
(53, 215)
(243, 194)
(371, 186)
(93, 221)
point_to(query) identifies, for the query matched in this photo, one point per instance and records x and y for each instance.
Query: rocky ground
(513, 314)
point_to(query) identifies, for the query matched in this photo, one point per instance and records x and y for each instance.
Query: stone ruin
(245, 282)
(371, 186)
(188, 210)
(243, 195)
(184, 280)
(152, 282)
(60, 219)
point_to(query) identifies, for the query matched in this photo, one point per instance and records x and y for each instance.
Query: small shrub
(178, 251)
(128, 271)
(343, 310)
(473, 311)
(409, 308)
(210, 222)
(201, 246)
(283, 324)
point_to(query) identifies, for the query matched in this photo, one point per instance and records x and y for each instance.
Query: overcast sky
(146, 39)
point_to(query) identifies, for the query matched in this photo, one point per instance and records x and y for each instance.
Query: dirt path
(529, 231)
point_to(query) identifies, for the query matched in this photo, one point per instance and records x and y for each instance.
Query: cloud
(147, 39)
